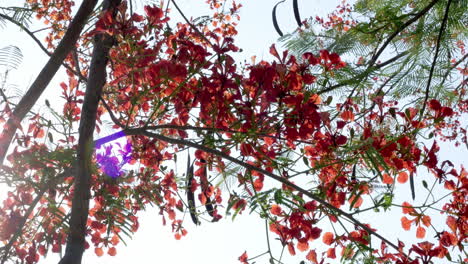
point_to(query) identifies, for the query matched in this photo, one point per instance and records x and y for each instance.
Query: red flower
(112, 251)
(310, 58)
(308, 79)
(154, 14)
(406, 223)
(402, 177)
(426, 251)
(334, 58)
(243, 258)
(312, 256)
(276, 209)
(325, 55)
(448, 239)
(328, 238)
(420, 232)
(99, 252)
(315, 232)
(434, 105)
(341, 140)
(446, 111)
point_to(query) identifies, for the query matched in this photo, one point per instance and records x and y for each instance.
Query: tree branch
(45, 76)
(363, 74)
(431, 72)
(111, 114)
(379, 52)
(400, 29)
(260, 170)
(453, 67)
(190, 24)
(31, 34)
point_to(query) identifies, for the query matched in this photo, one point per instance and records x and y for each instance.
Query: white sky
(225, 241)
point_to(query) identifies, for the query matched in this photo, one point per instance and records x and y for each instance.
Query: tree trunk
(82, 184)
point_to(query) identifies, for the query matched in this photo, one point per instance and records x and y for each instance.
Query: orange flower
(115, 240)
(202, 198)
(112, 251)
(452, 223)
(315, 99)
(328, 238)
(408, 208)
(402, 177)
(356, 200)
(258, 184)
(420, 232)
(99, 252)
(426, 220)
(171, 214)
(406, 223)
(303, 246)
(291, 249)
(387, 179)
(275, 209)
(312, 256)
(347, 115)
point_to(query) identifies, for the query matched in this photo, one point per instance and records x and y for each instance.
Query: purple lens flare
(98, 143)
(110, 162)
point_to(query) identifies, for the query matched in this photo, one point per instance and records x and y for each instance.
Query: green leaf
(387, 200)
(278, 197)
(448, 256)
(424, 183)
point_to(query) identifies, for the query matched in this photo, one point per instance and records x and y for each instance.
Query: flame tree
(333, 128)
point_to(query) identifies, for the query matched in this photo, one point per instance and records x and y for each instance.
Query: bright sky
(210, 243)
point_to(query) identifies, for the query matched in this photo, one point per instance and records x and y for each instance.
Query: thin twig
(363, 74)
(379, 52)
(400, 29)
(431, 72)
(38, 42)
(109, 110)
(453, 66)
(190, 24)
(385, 63)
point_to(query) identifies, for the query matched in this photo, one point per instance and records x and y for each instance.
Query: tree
(359, 102)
